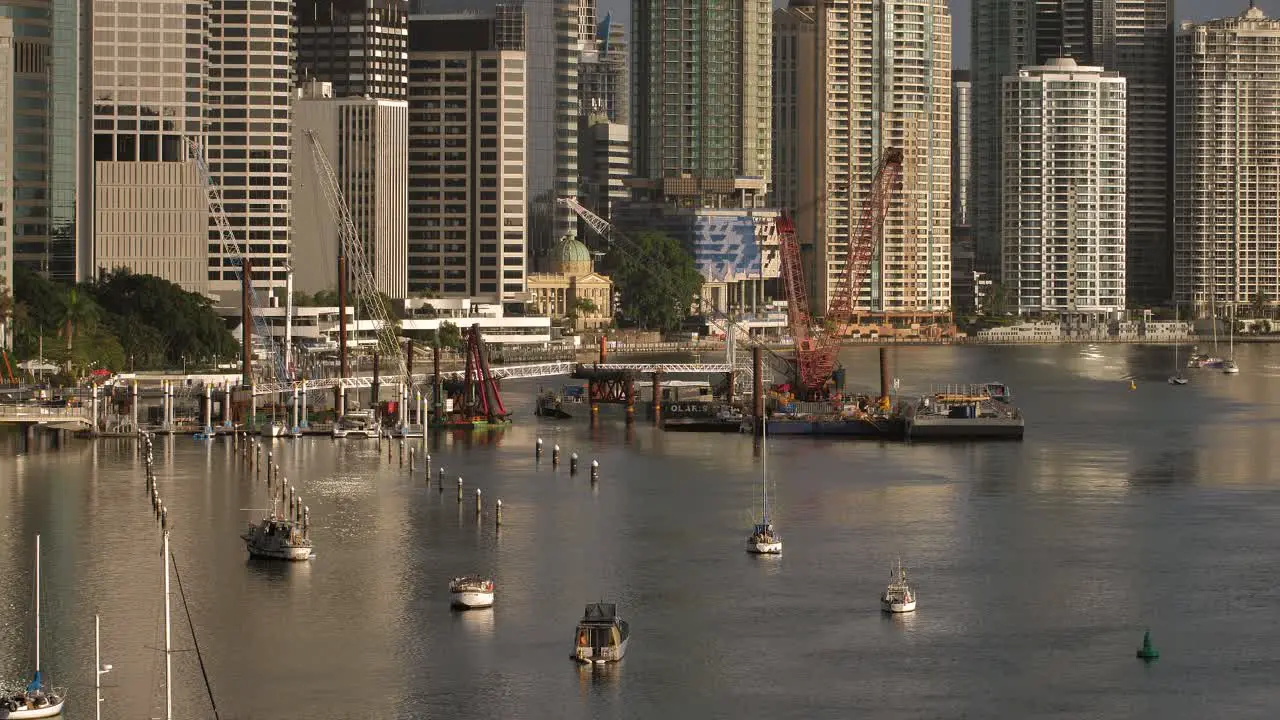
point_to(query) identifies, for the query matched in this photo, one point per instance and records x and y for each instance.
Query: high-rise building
(1227, 186)
(364, 140)
(360, 46)
(961, 146)
(149, 205)
(702, 107)
(1064, 189)
(6, 168)
(605, 155)
(603, 85)
(793, 188)
(47, 136)
(248, 136)
(467, 159)
(884, 75)
(1131, 37)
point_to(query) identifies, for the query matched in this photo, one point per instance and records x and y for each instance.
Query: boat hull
(470, 600)
(280, 553)
(888, 428)
(703, 425)
(360, 434)
(897, 606)
(43, 712)
(764, 548)
(935, 427)
(275, 431)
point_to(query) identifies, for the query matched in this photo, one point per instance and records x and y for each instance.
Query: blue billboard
(727, 246)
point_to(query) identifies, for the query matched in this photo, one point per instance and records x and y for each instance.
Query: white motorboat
(360, 424)
(1178, 380)
(764, 540)
(275, 430)
(898, 597)
(37, 700)
(602, 635)
(278, 538)
(471, 592)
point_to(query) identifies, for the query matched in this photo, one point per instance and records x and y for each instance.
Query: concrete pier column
(135, 406)
(207, 415)
(93, 420)
(302, 414)
(403, 398)
(422, 409)
(251, 422)
(657, 399)
(226, 405)
(631, 401)
(294, 425)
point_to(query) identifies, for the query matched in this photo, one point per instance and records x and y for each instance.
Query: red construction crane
(817, 346)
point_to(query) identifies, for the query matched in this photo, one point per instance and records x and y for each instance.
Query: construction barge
(974, 412)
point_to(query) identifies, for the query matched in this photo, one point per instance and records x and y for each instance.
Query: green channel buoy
(1147, 652)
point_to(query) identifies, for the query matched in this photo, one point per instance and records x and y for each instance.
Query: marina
(1110, 491)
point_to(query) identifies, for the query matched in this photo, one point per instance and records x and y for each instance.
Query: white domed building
(573, 288)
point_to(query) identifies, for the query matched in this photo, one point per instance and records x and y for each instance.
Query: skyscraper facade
(1064, 189)
(149, 206)
(1131, 37)
(884, 73)
(6, 167)
(364, 140)
(961, 146)
(249, 135)
(1227, 175)
(46, 136)
(467, 159)
(793, 188)
(702, 107)
(360, 46)
(603, 84)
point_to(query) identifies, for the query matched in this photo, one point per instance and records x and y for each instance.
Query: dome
(570, 257)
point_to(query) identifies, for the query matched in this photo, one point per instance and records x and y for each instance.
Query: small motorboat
(602, 635)
(467, 593)
(898, 596)
(1178, 380)
(275, 430)
(550, 405)
(357, 425)
(1230, 367)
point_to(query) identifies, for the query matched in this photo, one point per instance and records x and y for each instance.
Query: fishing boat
(37, 700)
(764, 540)
(471, 592)
(1177, 378)
(278, 538)
(602, 635)
(359, 424)
(898, 597)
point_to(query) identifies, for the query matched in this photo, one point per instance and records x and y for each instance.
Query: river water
(1038, 564)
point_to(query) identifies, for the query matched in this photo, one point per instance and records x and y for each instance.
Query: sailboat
(1229, 365)
(1177, 378)
(37, 701)
(764, 540)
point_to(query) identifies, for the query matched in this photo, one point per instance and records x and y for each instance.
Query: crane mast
(357, 260)
(232, 254)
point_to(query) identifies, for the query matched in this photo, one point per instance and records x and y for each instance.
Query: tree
(658, 280)
(326, 298)
(580, 306)
(449, 336)
(996, 301)
(1260, 306)
(78, 311)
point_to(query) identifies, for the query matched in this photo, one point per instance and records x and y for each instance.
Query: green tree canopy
(657, 278)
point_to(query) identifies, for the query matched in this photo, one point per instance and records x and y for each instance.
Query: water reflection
(478, 622)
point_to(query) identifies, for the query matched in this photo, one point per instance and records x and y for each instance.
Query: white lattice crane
(231, 253)
(366, 293)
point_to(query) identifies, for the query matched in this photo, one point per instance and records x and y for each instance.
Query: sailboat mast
(168, 648)
(764, 457)
(37, 605)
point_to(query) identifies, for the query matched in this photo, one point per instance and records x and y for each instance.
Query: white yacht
(37, 700)
(471, 592)
(279, 539)
(764, 540)
(898, 597)
(361, 424)
(275, 430)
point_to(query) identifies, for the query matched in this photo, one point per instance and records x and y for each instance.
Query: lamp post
(184, 364)
(99, 668)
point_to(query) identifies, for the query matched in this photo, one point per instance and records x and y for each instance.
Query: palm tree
(76, 312)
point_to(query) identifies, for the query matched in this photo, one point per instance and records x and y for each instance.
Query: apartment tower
(467, 158)
(150, 209)
(359, 46)
(884, 73)
(6, 169)
(1064, 189)
(963, 253)
(1131, 37)
(702, 104)
(364, 140)
(1227, 175)
(793, 188)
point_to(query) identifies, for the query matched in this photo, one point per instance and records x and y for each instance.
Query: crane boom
(232, 255)
(862, 245)
(366, 291)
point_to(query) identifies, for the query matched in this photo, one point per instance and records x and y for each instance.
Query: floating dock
(973, 412)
